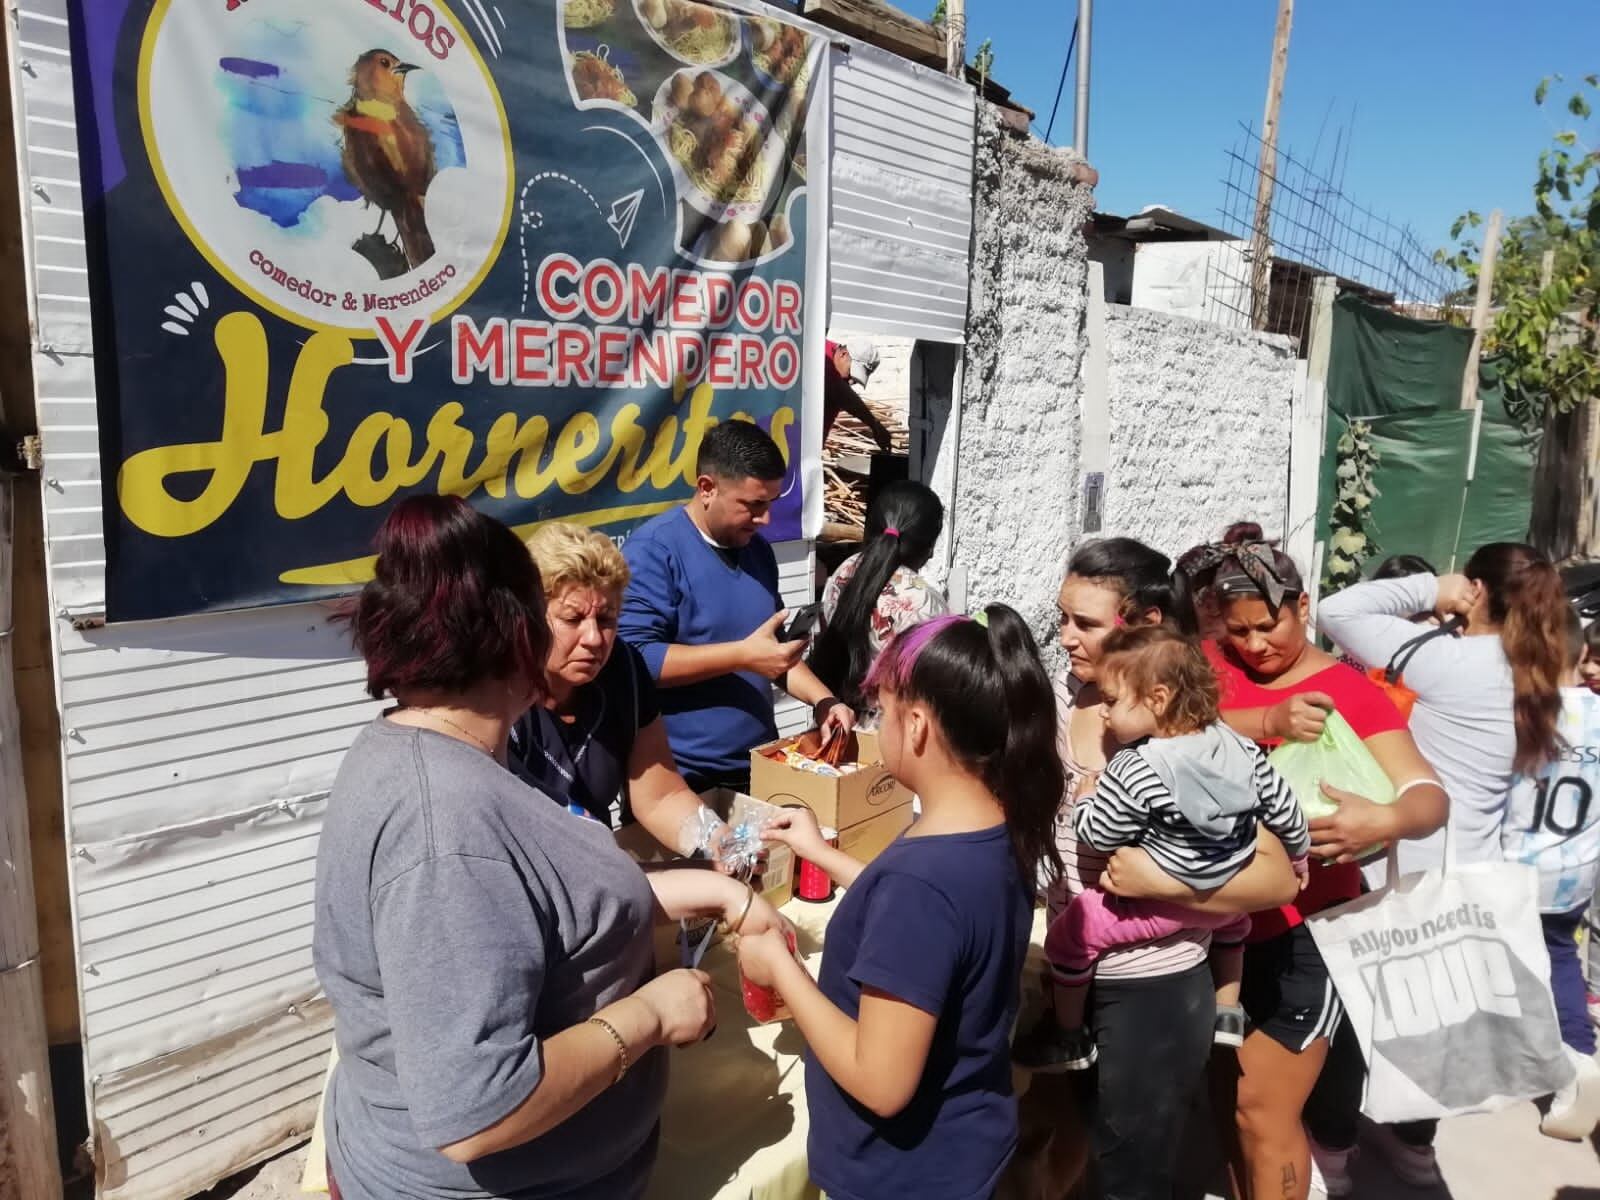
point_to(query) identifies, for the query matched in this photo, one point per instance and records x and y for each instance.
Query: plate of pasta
(586, 14)
(697, 34)
(720, 143)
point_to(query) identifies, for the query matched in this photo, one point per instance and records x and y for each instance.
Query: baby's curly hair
(1140, 657)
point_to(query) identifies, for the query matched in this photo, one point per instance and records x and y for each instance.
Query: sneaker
(1330, 1170)
(1575, 1110)
(1414, 1165)
(1229, 1030)
(1048, 1049)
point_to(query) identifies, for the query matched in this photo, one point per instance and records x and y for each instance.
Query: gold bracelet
(622, 1046)
(733, 927)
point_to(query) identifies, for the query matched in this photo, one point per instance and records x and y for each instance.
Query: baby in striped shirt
(1189, 791)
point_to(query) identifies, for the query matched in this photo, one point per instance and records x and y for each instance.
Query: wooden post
(1267, 169)
(955, 38)
(1480, 316)
(28, 1166)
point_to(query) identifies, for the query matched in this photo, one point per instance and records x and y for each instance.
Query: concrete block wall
(1200, 420)
(1011, 491)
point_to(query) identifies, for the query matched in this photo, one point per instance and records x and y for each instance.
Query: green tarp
(1403, 377)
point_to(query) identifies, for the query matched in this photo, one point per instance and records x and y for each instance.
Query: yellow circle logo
(337, 163)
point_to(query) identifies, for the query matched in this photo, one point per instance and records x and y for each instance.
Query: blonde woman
(597, 742)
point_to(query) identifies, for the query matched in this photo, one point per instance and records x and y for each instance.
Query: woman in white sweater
(1488, 701)
(1487, 708)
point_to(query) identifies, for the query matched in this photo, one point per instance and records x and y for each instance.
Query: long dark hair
(988, 689)
(1141, 577)
(1527, 601)
(902, 525)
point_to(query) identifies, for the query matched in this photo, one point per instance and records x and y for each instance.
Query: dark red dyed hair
(455, 601)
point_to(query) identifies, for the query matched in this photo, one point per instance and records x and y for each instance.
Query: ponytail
(1028, 777)
(903, 523)
(989, 691)
(1529, 604)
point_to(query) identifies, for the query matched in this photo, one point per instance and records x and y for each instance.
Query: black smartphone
(801, 623)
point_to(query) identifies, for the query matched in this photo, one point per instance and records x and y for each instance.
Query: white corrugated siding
(901, 215)
(198, 754)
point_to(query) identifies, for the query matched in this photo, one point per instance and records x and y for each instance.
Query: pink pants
(1094, 922)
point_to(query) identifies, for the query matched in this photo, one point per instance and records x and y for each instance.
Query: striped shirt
(1082, 865)
(1133, 806)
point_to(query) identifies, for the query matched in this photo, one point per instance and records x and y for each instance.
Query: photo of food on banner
(725, 97)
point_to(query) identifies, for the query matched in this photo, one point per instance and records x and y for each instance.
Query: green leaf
(1578, 106)
(1567, 137)
(1543, 90)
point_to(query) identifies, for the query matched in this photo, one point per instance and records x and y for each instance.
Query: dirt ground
(1493, 1157)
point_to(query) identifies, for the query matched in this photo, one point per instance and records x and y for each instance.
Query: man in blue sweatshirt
(703, 608)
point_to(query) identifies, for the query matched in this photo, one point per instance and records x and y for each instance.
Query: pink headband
(890, 531)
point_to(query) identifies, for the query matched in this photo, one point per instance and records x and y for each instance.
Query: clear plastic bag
(737, 847)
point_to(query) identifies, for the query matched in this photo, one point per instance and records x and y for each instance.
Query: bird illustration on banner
(388, 156)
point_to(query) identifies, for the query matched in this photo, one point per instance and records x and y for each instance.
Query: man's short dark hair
(737, 450)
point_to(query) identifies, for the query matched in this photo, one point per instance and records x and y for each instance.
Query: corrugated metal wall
(197, 757)
(901, 216)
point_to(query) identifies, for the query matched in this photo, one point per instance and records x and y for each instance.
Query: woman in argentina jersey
(1552, 821)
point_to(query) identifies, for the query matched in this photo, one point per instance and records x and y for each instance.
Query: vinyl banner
(346, 250)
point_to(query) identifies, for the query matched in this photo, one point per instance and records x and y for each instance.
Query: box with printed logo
(871, 837)
(841, 802)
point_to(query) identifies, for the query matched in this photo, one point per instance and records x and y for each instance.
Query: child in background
(1589, 664)
(1190, 791)
(907, 1077)
(1552, 821)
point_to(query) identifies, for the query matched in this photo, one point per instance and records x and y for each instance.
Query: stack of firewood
(846, 489)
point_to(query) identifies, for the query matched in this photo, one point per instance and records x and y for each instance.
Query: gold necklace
(467, 733)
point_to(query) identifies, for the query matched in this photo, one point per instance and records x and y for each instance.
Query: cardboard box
(840, 801)
(871, 837)
(776, 881)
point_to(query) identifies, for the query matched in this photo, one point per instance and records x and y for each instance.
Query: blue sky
(1442, 92)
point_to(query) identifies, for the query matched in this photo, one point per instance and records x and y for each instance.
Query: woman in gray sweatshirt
(1488, 701)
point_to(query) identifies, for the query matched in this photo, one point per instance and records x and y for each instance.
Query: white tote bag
(1445, 976)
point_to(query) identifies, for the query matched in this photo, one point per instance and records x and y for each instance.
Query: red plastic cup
(763, 1003)
(813, 884)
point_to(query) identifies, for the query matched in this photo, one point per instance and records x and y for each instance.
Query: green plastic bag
(1338, 758)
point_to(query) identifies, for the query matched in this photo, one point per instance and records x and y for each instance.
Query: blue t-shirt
(941, 923)
(584, 762)
(686, 591)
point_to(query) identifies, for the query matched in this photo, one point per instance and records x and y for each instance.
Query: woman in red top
(1277, 686)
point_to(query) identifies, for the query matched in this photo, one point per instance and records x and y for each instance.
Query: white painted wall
(1200, 428)
(1209, 281)
(1011, 489)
